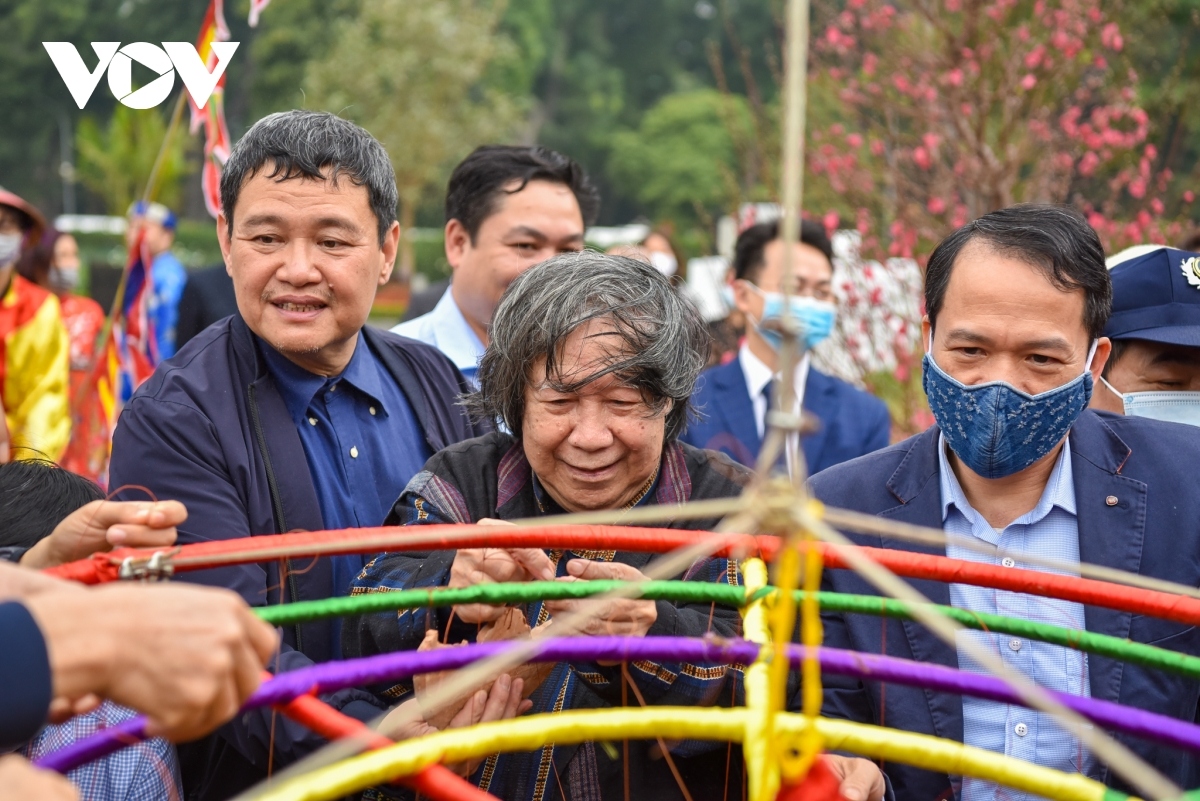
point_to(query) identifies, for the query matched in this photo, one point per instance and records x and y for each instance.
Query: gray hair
(664, 339)
(304, 144)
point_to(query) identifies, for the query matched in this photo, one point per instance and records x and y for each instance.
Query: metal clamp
(157, 568)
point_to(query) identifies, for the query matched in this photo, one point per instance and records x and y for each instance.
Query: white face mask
(10, 248)
(664, 262)
(1172, 407)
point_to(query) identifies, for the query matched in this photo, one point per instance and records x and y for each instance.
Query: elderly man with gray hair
(591, 367)
(293, 413)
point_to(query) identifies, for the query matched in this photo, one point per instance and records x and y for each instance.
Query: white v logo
(199, 81)
(74, 72)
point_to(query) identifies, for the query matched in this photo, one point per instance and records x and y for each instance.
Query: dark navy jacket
(1152, 529)
(24, 676)
(853, 423)
(210, 429)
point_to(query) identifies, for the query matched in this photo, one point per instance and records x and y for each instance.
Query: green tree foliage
(115, 161)
(686, 160)
(414, 75)
(35, 107)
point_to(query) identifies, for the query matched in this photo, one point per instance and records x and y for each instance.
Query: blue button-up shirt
(446, 329)
(1050, 530)
(361, 439)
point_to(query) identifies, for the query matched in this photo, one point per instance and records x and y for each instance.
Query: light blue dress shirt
(446, 329)
(1049, 530)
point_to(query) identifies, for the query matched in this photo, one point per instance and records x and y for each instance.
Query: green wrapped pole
(726, 595)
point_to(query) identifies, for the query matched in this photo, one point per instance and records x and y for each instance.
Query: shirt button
(1008, 561)
(312, 421)
(1014, 644)
(353, 451)
(1021, 729)
(372, 410)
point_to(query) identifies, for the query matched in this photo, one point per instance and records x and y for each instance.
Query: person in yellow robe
(34, 348)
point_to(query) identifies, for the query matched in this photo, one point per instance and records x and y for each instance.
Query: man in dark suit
(733, 398)
(1017, 303)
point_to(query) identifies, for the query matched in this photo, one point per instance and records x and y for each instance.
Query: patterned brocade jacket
(490, 477)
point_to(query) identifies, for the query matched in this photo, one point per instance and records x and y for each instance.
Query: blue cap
(1156, 297)
(154, 212)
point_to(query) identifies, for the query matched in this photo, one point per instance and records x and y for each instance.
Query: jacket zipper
(276, 502)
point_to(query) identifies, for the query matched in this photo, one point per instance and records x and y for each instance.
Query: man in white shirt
(507, 209)
(733, 398)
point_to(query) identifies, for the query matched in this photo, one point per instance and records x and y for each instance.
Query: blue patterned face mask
(995, 428)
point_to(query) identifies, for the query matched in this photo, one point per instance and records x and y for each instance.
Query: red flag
(256, 10)
(212, 30)
(217, 145)
(128, 358)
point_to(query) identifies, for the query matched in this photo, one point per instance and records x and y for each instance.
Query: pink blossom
(1034, 57)
(921, 158)
(870, 62)
(1029, 81)
(954, 6)
(931, 140)
(1156, 206)
(936, 205)
(831, 221)
(876, 147)
(1188, 196)
(1137, 187)
(1088, 164)
(1110, 37)
(854, 140)
(954, 77)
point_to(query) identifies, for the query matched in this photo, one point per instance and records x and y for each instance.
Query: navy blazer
(853, 423)
(210, 429)
(1152, 529)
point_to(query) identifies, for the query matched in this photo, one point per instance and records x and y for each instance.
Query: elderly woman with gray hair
(591, 364)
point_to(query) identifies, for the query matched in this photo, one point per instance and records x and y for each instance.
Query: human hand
(473, 566)
(103, 525)
(501, 702)
(860, 779)
(20, 781)
(19, 584)
(611, 616)
(185, 656)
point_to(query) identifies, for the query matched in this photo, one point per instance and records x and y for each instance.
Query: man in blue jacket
(733, 398)
(1017, 302)
(292, 414)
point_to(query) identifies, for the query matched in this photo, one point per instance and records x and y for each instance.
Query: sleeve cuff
(25, 682)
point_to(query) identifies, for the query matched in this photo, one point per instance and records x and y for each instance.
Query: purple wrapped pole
(332, 676)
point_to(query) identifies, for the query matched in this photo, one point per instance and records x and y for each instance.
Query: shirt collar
(758, 375)
(455, 337)
(1059, 490)
(298, 386)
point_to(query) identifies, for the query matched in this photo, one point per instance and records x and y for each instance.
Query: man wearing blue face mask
(1154, 369)
(1017, 303)
(733, 398)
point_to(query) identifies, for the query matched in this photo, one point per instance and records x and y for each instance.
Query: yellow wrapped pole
(758, 741)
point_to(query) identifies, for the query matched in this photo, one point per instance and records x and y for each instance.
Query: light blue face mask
(815, 317)
(1172, 407)
(998, 430)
